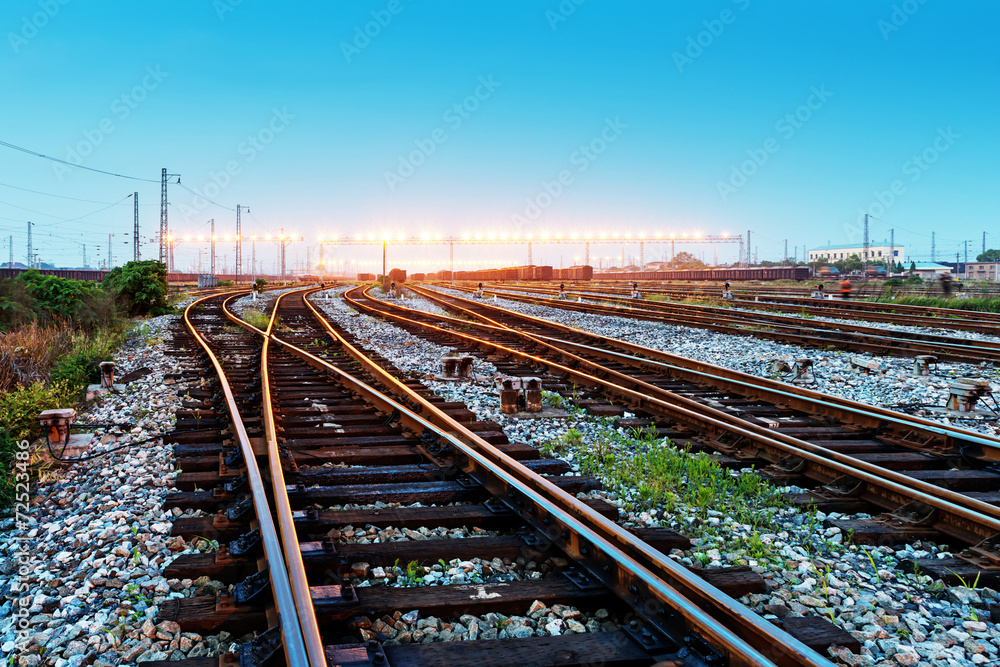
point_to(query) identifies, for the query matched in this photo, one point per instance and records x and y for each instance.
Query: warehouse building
(878, 251)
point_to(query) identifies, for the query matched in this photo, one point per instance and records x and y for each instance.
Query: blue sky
(789, 119)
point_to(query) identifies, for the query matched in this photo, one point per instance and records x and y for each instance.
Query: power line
(204, 197)
(49, 194)
(79, 166)
(62, 220)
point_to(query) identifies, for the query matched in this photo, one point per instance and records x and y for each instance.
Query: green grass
(257, 319)
(979, 304)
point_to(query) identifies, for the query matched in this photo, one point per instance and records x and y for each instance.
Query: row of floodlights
(427, 238)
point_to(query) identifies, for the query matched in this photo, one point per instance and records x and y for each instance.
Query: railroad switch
(803, 370)
(965, 392)
(107, 381)
(456, 368)
(520, 394)
(922, 364)
(56, 424)
(864, 366)
(107, 374)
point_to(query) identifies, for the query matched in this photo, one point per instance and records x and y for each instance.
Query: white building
(878, 251)
(929, 270)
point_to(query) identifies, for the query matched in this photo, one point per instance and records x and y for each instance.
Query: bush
(19, 421)
(139, 288)
(48, 300)
(260, 282)
(225, 283)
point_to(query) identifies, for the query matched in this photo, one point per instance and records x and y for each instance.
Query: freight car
(718, 275)
(73, 274)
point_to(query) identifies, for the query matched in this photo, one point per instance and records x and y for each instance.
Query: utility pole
(984, 242)
(211, 261)
(239, 243)
(866, 244)
(109, 252)
(253, 259)
(30, 224)
(135, 230)
(892, 249)
(785, 261)
(966, 244)
(383, 260)
(933, 247)
(84, 255)
(10, 265)
(166, 247)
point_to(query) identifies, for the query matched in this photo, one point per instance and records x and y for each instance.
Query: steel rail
(952, 440)
(289, 536)
(968, 519)
(648, 571)
(794, 305)
(781, 294)
(284, 600)
(781, 327)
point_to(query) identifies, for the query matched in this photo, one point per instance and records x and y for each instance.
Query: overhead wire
(78, 166)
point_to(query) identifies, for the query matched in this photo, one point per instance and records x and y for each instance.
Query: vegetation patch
(979, 304)
(689, 492)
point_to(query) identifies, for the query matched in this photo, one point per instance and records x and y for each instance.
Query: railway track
(302, 426)
(929, 480)
(808, 333)
(888, 313)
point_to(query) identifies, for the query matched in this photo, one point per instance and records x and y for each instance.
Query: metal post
(642, 254)
(10, 265)
(135, 229)
(892, 250)
(84, 257)
(866, 244)
(29, 244)
(253, 259)
(239, 245)
(163, 217)
(672, 255)
(451, 258)
(282, 254)
(212, 261)
(933, 246)
(785, 260)
(586, 261)
(749, 263)
(966, 267)
(110, 262)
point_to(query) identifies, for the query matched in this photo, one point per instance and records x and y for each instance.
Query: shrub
(139, 288)
(33, 297)
(260, 282)
(225, 283)
(257, 318)
(19, 421)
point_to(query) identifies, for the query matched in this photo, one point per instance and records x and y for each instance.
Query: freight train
(717, 275)
(74, 274)
(547, 273)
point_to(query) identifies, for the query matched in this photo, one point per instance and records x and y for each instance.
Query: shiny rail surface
(809, 333)
(888, 312)
(285, 601)
(639, 572)
(958, 515)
